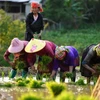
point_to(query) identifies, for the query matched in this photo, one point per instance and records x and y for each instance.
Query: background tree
(54, 9)
(65, 12)
(8, 30)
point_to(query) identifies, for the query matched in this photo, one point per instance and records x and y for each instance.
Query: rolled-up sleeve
(6, 56)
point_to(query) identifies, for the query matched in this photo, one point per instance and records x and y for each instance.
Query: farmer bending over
(42, 48)
(17, 49)
(90, 61)
(66, 58)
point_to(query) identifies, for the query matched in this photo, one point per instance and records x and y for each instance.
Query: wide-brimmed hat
(16, 46)
(36, 5)
(97, 49)
(35, 45)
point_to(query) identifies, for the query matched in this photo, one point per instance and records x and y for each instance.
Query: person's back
(90, 60)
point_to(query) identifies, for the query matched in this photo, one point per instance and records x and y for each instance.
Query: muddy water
(80, 89)
(14, 93)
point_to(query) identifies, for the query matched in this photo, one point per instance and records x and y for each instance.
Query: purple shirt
(69, 60)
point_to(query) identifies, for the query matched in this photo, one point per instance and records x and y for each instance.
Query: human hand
(39, 35)
(93, 71)
(35, 35)
(33, 68)
(12, 63)
(50, 79)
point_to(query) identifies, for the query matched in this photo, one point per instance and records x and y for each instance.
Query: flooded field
(15, 92)
(12, 93)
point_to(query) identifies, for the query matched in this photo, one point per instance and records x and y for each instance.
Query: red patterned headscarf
(61, 52)
(37, 5)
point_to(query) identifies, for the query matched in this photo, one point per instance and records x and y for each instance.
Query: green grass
(79, 38)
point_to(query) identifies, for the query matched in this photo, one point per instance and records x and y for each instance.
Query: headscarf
(37, 5)
(61, 52)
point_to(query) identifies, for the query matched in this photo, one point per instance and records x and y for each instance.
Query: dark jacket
(91, 60)
(33, 26)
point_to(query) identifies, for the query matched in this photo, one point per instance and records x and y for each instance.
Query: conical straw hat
(35, 45)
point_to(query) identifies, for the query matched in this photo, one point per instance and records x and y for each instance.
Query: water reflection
(15, 92)
(80, 89)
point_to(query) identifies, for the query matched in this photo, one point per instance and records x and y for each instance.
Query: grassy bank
(79, 38)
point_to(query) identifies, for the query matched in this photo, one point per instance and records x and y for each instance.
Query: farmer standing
(34, 22)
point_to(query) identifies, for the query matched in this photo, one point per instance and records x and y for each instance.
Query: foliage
(80, 82)
(74, 12)
(44, 75)
(52, 8)
(18, 79)
(20, 64)
(21, 83)
(84, 97)
(29, 96)
(3, 74)
(70, 12)
(45, 60)
(80, 38)
(92, 7)
(5, 20)
(27, 81)
(55, 88)
(35, 84)
(69, 75)
(8, 84)
(8, 30)
(66, 96)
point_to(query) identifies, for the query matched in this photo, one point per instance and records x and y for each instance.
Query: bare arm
(87, 60)
(6, 57)
(53, 74)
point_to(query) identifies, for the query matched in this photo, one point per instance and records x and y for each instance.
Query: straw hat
(16, 46)
(35, 45)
